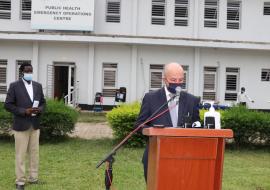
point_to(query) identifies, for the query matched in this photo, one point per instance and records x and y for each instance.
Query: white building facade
(223, 45)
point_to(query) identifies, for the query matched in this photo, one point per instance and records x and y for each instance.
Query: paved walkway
(92, 131)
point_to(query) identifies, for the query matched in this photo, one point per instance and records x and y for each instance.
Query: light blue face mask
(28, 76)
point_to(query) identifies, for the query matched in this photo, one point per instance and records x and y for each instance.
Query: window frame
(186, 77)
(239, 15)
(266, 4)
(215, 73)
(5, 12)
(158, 70)
(158, 20)
(3, 64)
(109, 91)
(25, 14)
(207, 21)
(232, 92)
(267, 77)
(184, 19)
(116, 16)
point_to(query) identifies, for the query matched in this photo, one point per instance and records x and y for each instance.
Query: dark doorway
(60, 81)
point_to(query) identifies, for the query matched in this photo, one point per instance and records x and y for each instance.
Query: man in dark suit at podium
(183, 109)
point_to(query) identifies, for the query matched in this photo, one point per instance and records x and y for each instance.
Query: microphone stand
(108, 172)
(109, 158)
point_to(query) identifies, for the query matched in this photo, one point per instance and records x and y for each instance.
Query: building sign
(63, 14)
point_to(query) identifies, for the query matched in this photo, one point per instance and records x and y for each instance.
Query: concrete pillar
(196, 15)
(35, 61)
(90, 76)
(197, 74)
(133, 74)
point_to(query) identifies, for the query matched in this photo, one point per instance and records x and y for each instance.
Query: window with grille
(156, 75)
(113, 11)
(185, 83)
(3, 76)
(5, 9)
(158, 12)
(181, 12)
(26, 9)
(211, 9)
(109, 79)
(210, 83)
(265, 75)
(233, 14)
(232, 84)
(18, 64)
(266, 8)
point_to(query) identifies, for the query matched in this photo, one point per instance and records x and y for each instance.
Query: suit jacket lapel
(167, 115)
(181, 106)
(24, 91)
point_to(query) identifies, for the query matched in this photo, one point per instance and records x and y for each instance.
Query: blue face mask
(172, 86)
(28, 76)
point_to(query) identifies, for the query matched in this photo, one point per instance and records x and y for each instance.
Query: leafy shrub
(57, 120)
(249, 127)
(122, 120)
(5, 121)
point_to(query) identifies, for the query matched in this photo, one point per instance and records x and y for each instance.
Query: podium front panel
(183, 163)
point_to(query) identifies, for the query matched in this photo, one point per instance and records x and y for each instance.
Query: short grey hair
(169, 64)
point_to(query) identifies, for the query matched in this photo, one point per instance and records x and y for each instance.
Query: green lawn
(71, 165)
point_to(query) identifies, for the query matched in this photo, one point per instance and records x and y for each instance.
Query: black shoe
(36, 182)
(33, 182)
(19, 187)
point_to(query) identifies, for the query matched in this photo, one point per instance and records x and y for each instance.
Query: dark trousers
(145, 162)
(145, 171)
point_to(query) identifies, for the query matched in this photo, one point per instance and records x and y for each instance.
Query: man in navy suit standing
(181, 108)
(26, 101)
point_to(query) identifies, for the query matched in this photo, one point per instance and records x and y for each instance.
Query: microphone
(178, 90)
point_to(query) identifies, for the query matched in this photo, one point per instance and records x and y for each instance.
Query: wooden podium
(185, 159)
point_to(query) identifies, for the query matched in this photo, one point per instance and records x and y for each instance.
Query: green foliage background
(122, 120)
(250, 127)
(57, 121)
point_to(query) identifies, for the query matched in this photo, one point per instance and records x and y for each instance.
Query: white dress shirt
(243, 97)
(173, 109)
(29, 88)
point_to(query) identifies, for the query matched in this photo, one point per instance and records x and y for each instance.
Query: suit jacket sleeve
(196, 112)
(145, 111)
(10, 103)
